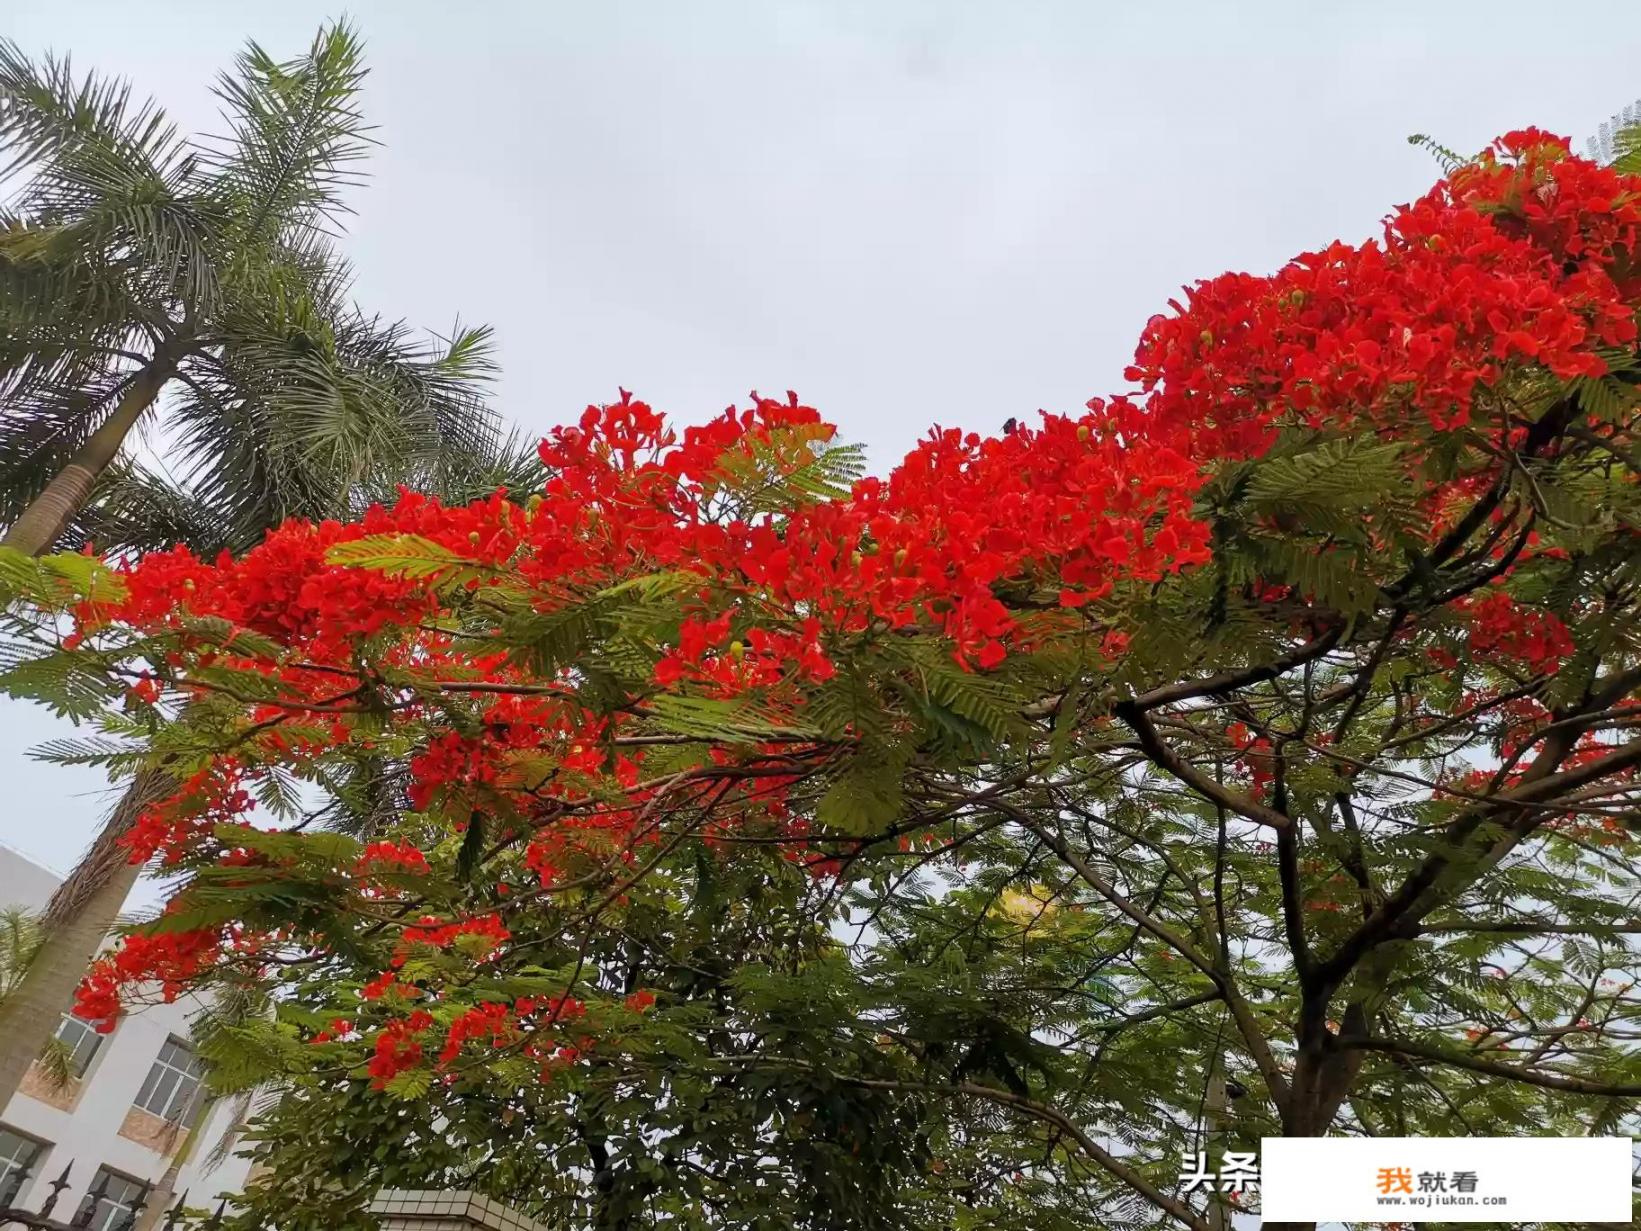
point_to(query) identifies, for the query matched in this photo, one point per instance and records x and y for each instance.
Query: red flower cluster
(988, 547)
(492, 1021)
(1525, 258)
(489, 928)
(1503, 629)
(170, 827)
(398, 1047)
(171, 959)
(391, 856)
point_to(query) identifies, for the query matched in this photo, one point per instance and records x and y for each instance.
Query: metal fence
(90, 1213)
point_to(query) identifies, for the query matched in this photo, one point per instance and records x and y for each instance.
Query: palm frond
(46, 116)
(314, 415)
(126, 244)
(19, 940)
(134, 509)
(296, 136)
(512, 462)
(42, 427)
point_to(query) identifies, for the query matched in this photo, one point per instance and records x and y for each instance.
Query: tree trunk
(85, 907)
(160, 1196)
(76, 921)
(42, 523)
(1213, 1135)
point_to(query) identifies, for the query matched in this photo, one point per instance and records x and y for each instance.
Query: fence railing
(91, 1212)
(398, 1209)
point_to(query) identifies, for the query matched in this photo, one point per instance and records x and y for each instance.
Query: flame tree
(723, 838)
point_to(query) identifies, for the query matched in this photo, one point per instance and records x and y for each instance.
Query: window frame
(88, 1035)
(167, 1075)
(110, 1211)
(11, 1164)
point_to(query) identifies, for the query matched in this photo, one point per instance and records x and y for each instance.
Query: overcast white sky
(910, 212)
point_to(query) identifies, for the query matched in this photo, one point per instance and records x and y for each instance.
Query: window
(118, 1197)
(173, 1084)
(81, 1040)
(18, 1154)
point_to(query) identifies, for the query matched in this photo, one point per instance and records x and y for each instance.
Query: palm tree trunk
(41, 524)
(76, 922)
(85, 907)
(165, 1188)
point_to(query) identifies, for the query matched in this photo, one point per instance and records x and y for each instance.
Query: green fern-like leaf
(110, 753)
(738, 719)
(411, 1085)
(403, 555)
(1327, 576)
(1339, 474)
(864, 796)
(1449, 160)
(63, 682)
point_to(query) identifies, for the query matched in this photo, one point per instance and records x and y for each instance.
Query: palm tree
(191, 287)
(19, 938)
(145, 276)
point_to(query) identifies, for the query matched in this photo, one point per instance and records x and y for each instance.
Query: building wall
(92, 1123)
(23, 882)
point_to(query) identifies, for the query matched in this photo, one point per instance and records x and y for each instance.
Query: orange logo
(1395, 1180)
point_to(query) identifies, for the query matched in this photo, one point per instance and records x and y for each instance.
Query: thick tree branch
(1253, 1036)
(1400, 913)
(1030, 1107)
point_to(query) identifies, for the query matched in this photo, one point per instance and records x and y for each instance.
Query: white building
(124, 1117)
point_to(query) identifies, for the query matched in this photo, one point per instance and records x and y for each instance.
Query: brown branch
(1230, 681)
(1161, 1010)
(1549, 1081)
(1399, 913)
(1247, 1025)
(1027, 1106)
(1528, 928)
(1165, 757)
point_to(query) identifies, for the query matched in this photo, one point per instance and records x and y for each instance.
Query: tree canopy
(724, 838)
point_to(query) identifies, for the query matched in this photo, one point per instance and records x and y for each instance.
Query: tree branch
(1165, 757)
(1230, 681)
(1549, 1081)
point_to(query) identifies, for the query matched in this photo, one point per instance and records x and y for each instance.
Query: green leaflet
(410, 1085)
(112, 753)
(232, 637)
(1341, 474)
(737, 719)
(1328, 576)
(405, 555)
(57, 580)
(66, 683)
(865, 795)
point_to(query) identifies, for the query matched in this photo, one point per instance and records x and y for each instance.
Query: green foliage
(1618, 142)
(1448, 160)
(1349, 474)
(19, 940)
(402, 555)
